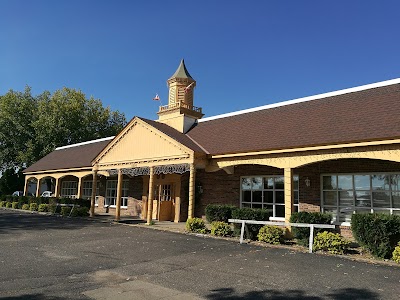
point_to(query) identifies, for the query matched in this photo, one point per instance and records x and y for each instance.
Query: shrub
(220, 228)
(83, 211)
(80, 212)
(33, 206)
(217, 212)
(25, 206)
(302, 234)
(52, 208)
(196, 225)
(65, 210)
(15, 205)
(271, 234)
(378, 233)
(8, 204)
(2, 203)
(332, 242)
(247, 213)
(396, 253)
(43, 207)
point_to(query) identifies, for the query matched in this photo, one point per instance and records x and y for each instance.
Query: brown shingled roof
(175, 134)
(72, 157)
(368, 115)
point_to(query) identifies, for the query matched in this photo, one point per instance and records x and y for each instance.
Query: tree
(17, 113)
(31, 127)
(11, 181)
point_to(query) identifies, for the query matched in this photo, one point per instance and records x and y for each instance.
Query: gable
(140, 142)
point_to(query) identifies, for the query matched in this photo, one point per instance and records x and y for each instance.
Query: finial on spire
(181, 72)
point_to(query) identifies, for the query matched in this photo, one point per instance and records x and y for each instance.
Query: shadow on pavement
(11, 221)
(35, 297)
(340, 294)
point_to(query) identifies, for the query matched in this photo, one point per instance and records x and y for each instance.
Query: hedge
(378, 233)
(302, 234)
(247, 213)
(217, 212)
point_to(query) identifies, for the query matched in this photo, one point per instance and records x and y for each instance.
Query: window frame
(354, 207)
(72, 189)
(263, 203)
(111, 201)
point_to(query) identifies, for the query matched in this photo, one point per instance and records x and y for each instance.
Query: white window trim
(123, 198)
(273, 204)
(372, 209)
(71, 196)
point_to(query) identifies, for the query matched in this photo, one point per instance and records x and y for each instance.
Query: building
(337, 152)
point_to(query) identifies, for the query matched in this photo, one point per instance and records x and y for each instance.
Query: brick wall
(310, 197)
(222, 188)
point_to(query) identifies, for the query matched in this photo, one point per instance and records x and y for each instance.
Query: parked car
(18, 193)
(47, 194)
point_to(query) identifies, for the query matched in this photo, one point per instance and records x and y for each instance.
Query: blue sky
(242, 54)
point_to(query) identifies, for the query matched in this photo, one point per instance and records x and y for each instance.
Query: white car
(47, 194)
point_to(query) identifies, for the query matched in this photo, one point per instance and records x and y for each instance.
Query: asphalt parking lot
(46, 257)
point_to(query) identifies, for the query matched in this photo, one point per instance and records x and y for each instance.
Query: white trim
(305, 99)
(86, 143)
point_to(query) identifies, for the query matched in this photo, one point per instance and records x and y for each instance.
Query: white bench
(311, 226)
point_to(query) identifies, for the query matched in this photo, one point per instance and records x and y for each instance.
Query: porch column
(38, 188)
(26, 186)
(119, 194)
(191, 191)
(57, 188)
(289, 195)
(93, 198)
(79, 194)
(151, 196)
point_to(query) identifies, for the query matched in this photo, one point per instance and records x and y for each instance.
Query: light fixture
(307, 181)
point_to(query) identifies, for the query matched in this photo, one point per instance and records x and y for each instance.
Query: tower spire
(180, 100)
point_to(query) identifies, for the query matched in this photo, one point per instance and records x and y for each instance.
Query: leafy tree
(17, 113)
(11, 181)
(31, 127)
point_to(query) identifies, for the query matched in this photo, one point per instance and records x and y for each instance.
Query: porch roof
(364, 115)
(74, 156)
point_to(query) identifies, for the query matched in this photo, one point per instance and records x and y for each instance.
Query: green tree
(31, 127)
(11, 181)
(17, 113)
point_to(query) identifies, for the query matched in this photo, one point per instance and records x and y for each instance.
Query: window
(267, 192)
(111, 193)
(345, 194)
(87, 190)
(69, 189)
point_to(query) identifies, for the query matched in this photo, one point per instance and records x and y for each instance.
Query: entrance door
(163, 202)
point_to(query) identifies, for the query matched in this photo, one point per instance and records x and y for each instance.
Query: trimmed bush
(396, 253)
(196, 225)
(80, 212)
(219, 228)
(271, 234)
(43, 207)
(2, 203)
(378, 233)
(25, 206)
(15, 205)
(65, 211)
(247, 213)
(302, 234)
(52, 208)
(217, 212)
(33, 206)
(331, 242)
(8, 204)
